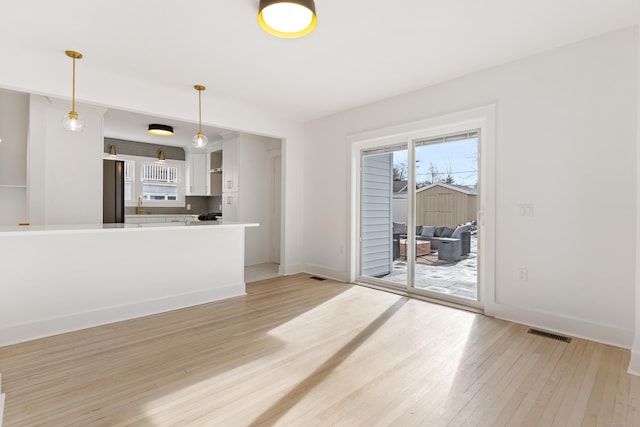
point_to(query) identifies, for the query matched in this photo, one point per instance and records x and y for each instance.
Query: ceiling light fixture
(162, 130)
(112, 150)
(71, 121)
(200, 140)
(287, 18)
(161, 157)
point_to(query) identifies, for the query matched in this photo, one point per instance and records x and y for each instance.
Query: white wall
(634, 363)
(566, 136)
(14, 116)
(65, 173)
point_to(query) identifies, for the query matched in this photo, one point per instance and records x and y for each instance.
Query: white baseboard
(287, 270)
(579, 328)
(47, 327)
(634, 363)
(328, 273)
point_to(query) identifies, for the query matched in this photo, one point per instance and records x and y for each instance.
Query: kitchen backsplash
(199, 205)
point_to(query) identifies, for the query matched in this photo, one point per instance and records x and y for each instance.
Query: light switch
(525, 209)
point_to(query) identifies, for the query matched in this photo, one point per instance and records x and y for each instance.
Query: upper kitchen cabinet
(198, 173)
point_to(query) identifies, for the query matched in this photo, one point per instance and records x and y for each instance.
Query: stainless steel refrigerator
(112, 191)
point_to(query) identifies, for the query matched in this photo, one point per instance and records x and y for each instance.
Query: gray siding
(377, 190)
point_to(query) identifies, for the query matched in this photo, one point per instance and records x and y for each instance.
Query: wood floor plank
(300, 352)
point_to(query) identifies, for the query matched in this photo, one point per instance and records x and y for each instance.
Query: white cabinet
(153, 219)
(230, 166)
(230, 206)
(198, 173)
(230, 183)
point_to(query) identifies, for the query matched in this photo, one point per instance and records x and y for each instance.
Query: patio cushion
(399, 228)
(438, 232)
(458, 231)
(447, 232)
(418, 230)
(428, 231)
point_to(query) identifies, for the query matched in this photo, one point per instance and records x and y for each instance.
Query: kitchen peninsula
(62, 278)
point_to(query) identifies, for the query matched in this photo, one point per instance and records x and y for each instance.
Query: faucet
(139, 209)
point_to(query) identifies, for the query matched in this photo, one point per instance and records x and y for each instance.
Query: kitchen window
(159, 184)
(129, 182)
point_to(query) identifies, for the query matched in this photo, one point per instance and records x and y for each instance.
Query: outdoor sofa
(435, 234)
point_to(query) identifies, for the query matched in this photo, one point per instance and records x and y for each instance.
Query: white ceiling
(133, 126)
(362, 50)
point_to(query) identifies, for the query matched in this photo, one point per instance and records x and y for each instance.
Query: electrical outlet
(188, 206)
(523, 274)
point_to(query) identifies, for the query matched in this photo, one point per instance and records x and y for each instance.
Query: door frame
(482, 118)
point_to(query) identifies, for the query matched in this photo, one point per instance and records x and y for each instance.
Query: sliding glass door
(418, 210)
(446, 209)
(383, 217)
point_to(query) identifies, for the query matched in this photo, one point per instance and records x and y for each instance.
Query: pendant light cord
(73, 87)
(200, 110)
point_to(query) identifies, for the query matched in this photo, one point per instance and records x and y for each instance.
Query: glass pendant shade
(72, 122)
(200, 140)
(288, 18)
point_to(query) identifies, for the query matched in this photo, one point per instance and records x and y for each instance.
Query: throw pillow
(418, 230)
(399, 228)
(428, 231)
(438, 232)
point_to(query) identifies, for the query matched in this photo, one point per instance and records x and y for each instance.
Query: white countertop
(159, 215)
(92, 228)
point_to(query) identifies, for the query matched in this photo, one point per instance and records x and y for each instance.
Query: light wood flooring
(301, 352)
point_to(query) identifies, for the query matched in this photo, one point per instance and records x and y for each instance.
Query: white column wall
(634, 364)
(565, 142)
(14, 116)
(65, 168)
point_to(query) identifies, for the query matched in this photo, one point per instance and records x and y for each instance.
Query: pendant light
(287, 18)
(71, 121)
(200, 140)
(161, 157)
(158, 129)
(112, 151)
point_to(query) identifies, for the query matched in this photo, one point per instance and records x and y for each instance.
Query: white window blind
(159, 173)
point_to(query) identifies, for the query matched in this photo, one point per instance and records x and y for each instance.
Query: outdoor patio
(452, 278)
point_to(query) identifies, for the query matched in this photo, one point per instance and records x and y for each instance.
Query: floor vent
(549, 335)
(317, 278)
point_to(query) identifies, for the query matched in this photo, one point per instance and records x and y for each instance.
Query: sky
(459, 157)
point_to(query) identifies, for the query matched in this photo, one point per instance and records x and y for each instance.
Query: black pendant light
(162, 130)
